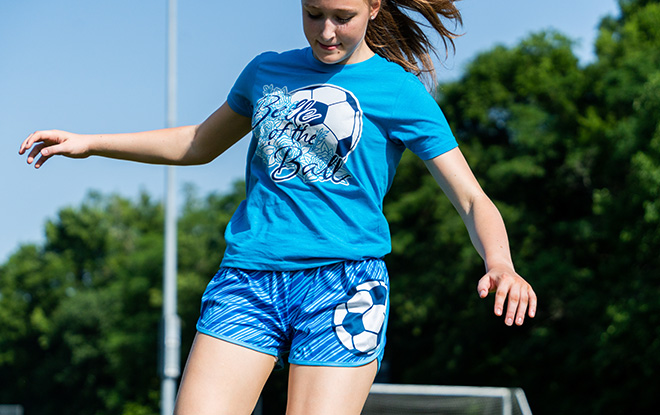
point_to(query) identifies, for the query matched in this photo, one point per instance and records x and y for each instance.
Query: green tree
(624, 125)
(570, 155)
(79, 316)
(82, 301)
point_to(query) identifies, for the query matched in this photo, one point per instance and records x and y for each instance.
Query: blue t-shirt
(326, 143)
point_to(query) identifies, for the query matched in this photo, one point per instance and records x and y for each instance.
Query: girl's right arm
(194, 144)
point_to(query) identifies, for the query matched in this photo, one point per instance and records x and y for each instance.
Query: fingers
(513, 291)
(484, 286)
(500, 298)
(27, 143)
(34, 153)
(39, 154)
(515, 306)
(532, 303)
(42, 145)
(521, 302)
(44, 157)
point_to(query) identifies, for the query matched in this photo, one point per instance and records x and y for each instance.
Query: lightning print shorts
(334, 315)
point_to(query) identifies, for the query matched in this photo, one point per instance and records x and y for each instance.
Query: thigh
(322, 390)
(222, 378)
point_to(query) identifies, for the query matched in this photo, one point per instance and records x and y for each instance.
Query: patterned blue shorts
(334, 315)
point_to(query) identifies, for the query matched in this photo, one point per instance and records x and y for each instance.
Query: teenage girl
(304, 250)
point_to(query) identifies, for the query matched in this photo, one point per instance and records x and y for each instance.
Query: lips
(328, 47)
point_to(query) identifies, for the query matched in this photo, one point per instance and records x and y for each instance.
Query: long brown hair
(397, 37)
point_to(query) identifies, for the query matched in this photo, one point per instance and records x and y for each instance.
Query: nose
(328, 30)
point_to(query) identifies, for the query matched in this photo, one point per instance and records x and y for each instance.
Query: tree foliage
(570, 156)
(569, 153)
(79, 316)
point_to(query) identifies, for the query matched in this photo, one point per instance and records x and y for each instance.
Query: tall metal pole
(171, 326)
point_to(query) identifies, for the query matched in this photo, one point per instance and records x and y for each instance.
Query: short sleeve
(418, 122)
(240, 97)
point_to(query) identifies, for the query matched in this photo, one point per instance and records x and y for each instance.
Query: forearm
(488, 232)
(481, 217)
(195, 144)
(166, 146)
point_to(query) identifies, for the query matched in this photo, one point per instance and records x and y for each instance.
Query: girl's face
(335, 29)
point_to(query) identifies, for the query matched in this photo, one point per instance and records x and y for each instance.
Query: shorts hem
(238, 342)
(335, 364)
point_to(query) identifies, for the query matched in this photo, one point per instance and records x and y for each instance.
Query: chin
(331, 59)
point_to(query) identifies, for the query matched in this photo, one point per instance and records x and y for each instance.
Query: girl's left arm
(488, 235)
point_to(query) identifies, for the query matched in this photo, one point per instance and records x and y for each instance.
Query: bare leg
(222, 378)
(322, 390)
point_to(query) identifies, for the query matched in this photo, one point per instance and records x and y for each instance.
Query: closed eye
(341, 19)
(344, 20)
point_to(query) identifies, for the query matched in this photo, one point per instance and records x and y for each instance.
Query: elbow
(478, 205)
(195, 154)
(474, 202)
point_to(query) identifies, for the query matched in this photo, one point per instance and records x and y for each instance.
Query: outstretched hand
(506, 283)
(45, 144)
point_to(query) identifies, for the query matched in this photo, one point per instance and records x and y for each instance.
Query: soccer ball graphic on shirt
(359, 322)
(333, 109)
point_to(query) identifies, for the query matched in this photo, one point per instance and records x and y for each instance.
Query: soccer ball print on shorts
(359, 322)
(334, 315)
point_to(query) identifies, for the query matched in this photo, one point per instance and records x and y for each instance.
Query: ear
(375, 8)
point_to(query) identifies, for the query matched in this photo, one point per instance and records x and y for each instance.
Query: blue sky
(99, 67)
